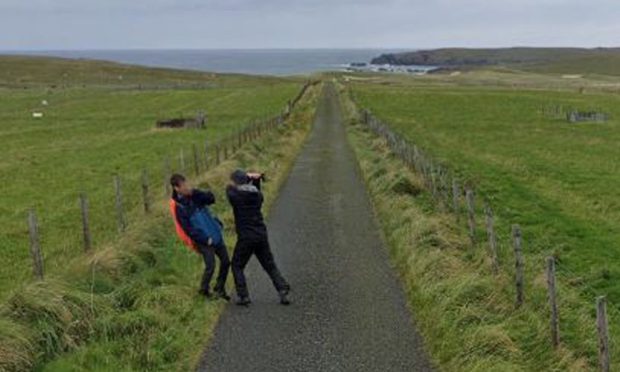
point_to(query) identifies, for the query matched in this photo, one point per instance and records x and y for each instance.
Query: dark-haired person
(245, 196)
(201, 231)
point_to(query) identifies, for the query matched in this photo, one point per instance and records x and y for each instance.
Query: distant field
(558, 180)
(99, 121)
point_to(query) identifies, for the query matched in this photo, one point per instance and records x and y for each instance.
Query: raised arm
(255, 179)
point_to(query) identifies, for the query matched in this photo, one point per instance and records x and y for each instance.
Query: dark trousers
(244, 250)
(208, 255)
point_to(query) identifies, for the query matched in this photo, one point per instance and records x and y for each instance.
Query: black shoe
(284, 297)
(205, 293)
(243, 301)
(222, 295)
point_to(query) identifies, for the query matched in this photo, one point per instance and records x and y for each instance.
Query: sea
(245, 61)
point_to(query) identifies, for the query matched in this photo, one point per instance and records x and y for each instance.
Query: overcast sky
(120, 24)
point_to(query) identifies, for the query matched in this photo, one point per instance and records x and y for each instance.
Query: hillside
(552, 60)
(26, 72)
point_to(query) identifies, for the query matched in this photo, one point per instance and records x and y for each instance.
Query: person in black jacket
(204, 230)
(245, 196)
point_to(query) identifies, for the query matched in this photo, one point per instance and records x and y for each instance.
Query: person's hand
(254, 175)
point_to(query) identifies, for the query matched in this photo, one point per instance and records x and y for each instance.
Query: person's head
(180, 184)
(239, 177)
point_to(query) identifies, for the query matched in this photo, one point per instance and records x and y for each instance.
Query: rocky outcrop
(484, 57)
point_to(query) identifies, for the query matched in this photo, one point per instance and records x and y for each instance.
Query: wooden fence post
(456, 197)
(206, 155)
(35, 245)
(145, 191)
(516, 236)
(182, 161)
(445, 189)
(471, 215)
(492, 237)
(85, 223)
(167, 174)
(433, 181)
(120, 213)
(196, 160)
(603, 335)
(553, 305)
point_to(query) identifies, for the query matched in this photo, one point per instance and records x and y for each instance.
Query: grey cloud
(66, 24)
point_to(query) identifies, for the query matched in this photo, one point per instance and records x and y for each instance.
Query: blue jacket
(195, 218)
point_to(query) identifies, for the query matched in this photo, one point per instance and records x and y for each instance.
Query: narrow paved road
(349, 311)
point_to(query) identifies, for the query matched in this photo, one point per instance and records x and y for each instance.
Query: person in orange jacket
(201, 231)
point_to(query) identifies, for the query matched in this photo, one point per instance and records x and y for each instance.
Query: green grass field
(554, 178)
(93, 130)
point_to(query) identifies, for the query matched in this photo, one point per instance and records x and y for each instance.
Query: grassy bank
(466, 314)
(132, 304)
(96, 126)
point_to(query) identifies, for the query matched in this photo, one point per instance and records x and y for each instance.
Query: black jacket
(247, 201)
(185, 209)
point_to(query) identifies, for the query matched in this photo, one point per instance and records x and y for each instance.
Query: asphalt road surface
(349, 311)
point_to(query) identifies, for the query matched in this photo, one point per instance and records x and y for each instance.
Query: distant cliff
(450, 57)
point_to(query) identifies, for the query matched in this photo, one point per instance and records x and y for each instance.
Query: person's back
(247, 201)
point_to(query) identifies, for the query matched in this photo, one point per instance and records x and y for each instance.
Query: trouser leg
(241, 256)
(209, 260)
(222, 254)
(265, 257)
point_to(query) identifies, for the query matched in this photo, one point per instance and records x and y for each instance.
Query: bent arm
(256, 182)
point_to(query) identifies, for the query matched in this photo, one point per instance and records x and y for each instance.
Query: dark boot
(243, 301)
(205, 293)
(221, 294)
(283, 294)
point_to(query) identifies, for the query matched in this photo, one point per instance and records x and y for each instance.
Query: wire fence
(131, 196)
(461, 198)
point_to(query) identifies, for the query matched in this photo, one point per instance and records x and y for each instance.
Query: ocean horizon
(280, 62)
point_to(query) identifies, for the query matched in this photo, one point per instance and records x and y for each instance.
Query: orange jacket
(180, 232)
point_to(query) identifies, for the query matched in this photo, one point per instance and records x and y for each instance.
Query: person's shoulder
(231, 190)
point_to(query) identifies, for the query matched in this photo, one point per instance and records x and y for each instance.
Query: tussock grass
(132, 304)
(466, 314)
